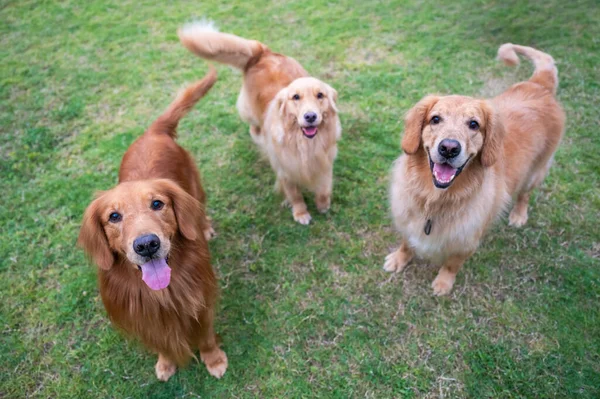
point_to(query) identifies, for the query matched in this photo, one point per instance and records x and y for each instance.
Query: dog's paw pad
(324, 210)
(516, 219)
(164, 371)
(303, 218)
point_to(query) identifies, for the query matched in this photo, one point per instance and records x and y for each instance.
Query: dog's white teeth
(452, 178)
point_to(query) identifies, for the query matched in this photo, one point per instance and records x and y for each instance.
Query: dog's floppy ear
(281, 101)
(93, 239)
(414, 122)
(494, 136)
(188, 210)
(332, 94)
(278, 113)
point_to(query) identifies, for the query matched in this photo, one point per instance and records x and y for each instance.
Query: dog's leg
(205, 221)
(294, 197)
(210, 353)
(397, 260)
(209, 231)
(518, 215)
(443, 283)
(164, 368)
(323, 194)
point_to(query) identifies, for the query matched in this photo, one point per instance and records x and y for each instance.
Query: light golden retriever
(293, 117)
(465, 159)
(148, 237)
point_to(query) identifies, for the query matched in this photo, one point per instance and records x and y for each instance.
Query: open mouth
(310, 131)
(156, 273)
(444, 173)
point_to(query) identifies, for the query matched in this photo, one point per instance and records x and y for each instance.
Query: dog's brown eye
(320, 95)
(115, 217)
(157, 205)
(435, 120)
(296, 97)
(473, 125)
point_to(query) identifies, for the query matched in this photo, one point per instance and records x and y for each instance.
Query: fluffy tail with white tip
(204, 40)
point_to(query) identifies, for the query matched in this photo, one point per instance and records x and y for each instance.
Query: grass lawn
(305, 311)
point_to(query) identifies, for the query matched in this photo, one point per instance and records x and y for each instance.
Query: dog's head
(453, 131)
(139, 220)
(305, 105)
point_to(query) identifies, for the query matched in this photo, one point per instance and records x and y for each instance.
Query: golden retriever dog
(293, 117)
(465, 159)
(148, 237)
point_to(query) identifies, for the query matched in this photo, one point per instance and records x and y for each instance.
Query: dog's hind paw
(209, 233)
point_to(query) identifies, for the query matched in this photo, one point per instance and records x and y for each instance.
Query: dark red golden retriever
(148, 236)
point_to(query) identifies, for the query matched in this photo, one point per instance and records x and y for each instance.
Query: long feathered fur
(203, 39)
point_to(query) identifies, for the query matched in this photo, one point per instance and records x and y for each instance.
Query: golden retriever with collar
(465, 159)
(293, 117)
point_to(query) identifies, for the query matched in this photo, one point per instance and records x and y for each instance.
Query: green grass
(305, 311)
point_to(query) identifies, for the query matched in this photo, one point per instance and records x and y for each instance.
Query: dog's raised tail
(545, 73)
(204, 40)
(168, 121)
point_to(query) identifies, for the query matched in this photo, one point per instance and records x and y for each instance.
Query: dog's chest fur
(166, 321)
(456, 224)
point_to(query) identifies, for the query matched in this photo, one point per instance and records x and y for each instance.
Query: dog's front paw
(517, 219)
(395, 262)
(442, 285)
(302, 217)
(216, 362)
(164, 369)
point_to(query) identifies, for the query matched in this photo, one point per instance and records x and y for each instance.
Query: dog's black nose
(449, 148)
(310, 117)
(146, 245)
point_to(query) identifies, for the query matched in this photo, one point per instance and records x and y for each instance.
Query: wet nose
(310, 117)
(449, 148)
(146, 245)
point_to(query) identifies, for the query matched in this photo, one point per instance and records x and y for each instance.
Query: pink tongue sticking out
(443, 173)
(156, 274)
(310, 131)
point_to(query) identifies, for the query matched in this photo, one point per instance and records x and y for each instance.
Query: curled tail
(545, 73)
(168, 121)
(204, 40)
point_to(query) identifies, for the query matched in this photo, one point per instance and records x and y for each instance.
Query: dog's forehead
(458, 106)
(130, 195)
(305, 84)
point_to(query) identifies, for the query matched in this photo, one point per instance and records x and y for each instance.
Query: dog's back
(533, 119)
(265, 72)
(156, 155)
